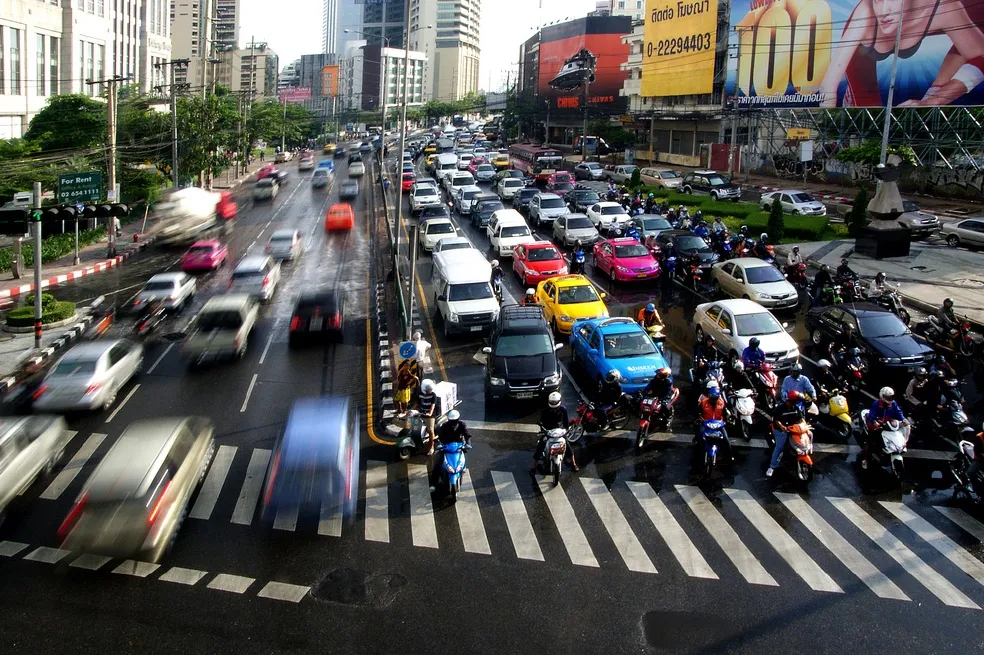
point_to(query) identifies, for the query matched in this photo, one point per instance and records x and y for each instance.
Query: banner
(295, 94)
(678, 52)
(824, 53)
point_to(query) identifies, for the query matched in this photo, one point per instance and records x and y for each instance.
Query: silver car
(285, 245)
(921, 223)
(968, 232)
(175, 290)
(484, 172)
(574, 227)
(266, 189)
(89, 376)
(546, 208)
(257, 276)
(29, 448)
(463, 198)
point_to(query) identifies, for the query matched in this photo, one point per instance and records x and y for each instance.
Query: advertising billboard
(680, 39)
(295, 94)
(825, 53)
(602, 37)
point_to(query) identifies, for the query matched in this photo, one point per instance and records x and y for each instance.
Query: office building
(329, 26)
(348, 17)
(226, 24)
(382, 78)
(254, 68)
(350, 75)
(452, 46)
(191, 22)
(634, 9)
(382, 23)
(289, 76)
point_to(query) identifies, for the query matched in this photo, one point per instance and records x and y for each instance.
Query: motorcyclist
(553, 416)
(453, 430)
(577, 258)
(975, 466)
(661, 386)
(845, 272)
(883, 409)
(761, 246)
(633, 232)
(786, 415)
(753, 356)
(704, 353)
(918, 392)
(844, 342)
(793, 260)
(718, 226)
(648, 316)
(427, 402)
(825, 378)
(821, 281)
(946, 317)
(737, 377)
(798, 382)
(878, 285)
(941, 364)
(496, 272)
(712, 407)
(530, 298)
(609, 393)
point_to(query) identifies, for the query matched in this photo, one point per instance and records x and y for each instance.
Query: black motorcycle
(151, 319)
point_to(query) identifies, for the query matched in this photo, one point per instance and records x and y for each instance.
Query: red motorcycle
(797, 276)
(768, 385)
(588, 418)
(851, 291)
(652, 411)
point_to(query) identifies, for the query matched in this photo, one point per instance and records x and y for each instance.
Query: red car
(266, 171)
(474, 164)
(408, 180)
(625, 259)
(204, 256)
(560, 176)
(537, 261)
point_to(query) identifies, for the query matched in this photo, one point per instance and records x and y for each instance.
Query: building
(191, 21)
(155, 45)
(382, 22)
(289, 76)
(634, 9)
(602, 8)
(348, 17)
(350, 74)
(382, 77)
(251, 69)
(329, 26)
(226, 24)
(452, 47)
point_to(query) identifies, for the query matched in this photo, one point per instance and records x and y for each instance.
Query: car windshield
(265, 182)
(543, 254)
(199, 250)
(593, 166)
(425, 191)
(440, 228)
(669, 175)
(611, 211)
(489, 207)
(578, 294)
(717, 180)
(283, 238)
(467, 195)
(882, 325)
(551, 203)
(524, 345)
(484, 168)
(560, 187)
(690, 243)
(159, 286)
(526, 194)
(469, 291)
(511, 182)
(248, 276)
(579, 223)
(636, 250)
(801, 197)
(754, 325)
(909, 206)
(763, 275)
(220, 320)
(75, 367)
(630, 344)
(656, 224)
(514, 231)
(458, 245)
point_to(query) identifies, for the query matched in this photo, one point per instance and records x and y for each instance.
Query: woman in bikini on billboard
(869, 37)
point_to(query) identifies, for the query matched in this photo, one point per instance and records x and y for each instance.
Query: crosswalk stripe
(632, 552)
(909, 561)
(942, 543)
(848, 555)
(286, 518)
(422, 523)
(962, 519)
(330, 521)
(517, 520)
(73, 468)
(578, 548)
(249, 494)
(779, 539)
(726, 537)
(470, 518)
(66, 438)
(676, 539)
(209, 493)
(377, 502)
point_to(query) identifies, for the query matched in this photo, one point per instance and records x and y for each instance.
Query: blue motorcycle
(452, 467)
(577, 262)
(714, 437)
(669, 269)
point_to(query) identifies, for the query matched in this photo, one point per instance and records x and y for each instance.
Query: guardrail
(391, 235)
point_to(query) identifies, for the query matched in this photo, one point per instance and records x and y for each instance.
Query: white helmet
(712, 384)
(738, 365)
(495, 262)
(823, 363)
(554, 399)
(417, 336)
(530, 292)
(454, 415)
(427, 386)
(887, 394)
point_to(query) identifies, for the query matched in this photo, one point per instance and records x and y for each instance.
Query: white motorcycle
(894, 438)
(743, 411)
(552, 460)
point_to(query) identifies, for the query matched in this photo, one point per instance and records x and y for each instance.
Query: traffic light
(105, 211)
(13, 222)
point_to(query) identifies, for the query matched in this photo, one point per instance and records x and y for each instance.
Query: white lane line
(726, 537)
(578, 548)
(669, 529)
(632, 552)
(47, 555)
(422, 523)
(249, 494)
(963, 519)
(189, 577)
(517, 520)
(11, 548)
(90, 562)
(470, 522)
(73, 468)
(235, 584)
(909, 561)
(942, 543)
(249, 392)
(210, 490)
(136, 569)
(330, 521)
(786, 546)
(841, 548)
(286, 518)
(160, 359)
(377, 502)
(266, 348)
(291, 593)
(125, 401)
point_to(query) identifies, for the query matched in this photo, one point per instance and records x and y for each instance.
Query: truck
(187, 215)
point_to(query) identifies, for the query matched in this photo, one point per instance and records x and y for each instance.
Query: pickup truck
(221, 330)
(621, 174)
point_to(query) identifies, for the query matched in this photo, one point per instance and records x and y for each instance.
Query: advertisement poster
(678, 51)
(828, 53)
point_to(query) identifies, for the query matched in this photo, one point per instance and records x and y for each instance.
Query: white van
(509, 233)
(447, 164)
(463, 291)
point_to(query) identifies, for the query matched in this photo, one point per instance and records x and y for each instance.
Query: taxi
(500, 161)
(569, 298)
(429, 161)
(329, 149)
(339, 217)
(266, 171)
(431, 149)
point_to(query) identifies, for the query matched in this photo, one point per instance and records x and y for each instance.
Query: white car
(602, 213)
(754, 279)
(452, 243)
(509, 234)
(433, 231)
(509, 186)
(356, 169)
(423, 196)
(464, 159)
(257, 276)
(734, 322)
(794, 202)
(463, 198)
(174, 289)
(546, 208)
(89, 376)
(454, 182)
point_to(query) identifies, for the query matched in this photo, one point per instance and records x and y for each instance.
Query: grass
(52, 248)
(51, 311)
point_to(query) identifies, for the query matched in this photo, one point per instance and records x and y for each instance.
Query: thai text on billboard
(295, 95)
(678, 51)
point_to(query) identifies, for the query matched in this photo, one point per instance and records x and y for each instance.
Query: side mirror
(487, 350)
(739, 280)
(443, 297)
(785, 324)
(558, 346)
(603, 295)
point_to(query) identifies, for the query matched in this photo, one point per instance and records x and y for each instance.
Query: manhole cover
(355, 587)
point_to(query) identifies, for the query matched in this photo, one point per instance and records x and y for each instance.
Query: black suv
(433, 211)
(580, 198)
(711, 183)
(521, 201)
(483, 206)
(522, 357)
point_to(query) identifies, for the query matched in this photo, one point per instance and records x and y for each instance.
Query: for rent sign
(80, 187)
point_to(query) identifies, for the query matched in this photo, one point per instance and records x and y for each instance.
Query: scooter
(654, 412)
(894, 438)
(768, 385)
(852, 369)
(655, 333)
(552, 460)
(452, 467)
(800, 443)
(713, 438)
(796, 275)
(411, 440)
(851, 291)
(577, 262)
(742, 404)
(834, 412)
(966, 484)
(957, 340)
(949, 421)
(497, 289)
(149, 321)
(588, 418)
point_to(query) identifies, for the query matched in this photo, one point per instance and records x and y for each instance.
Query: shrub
(52, 248)
(775, 225)
(56, 310)
(797, 228)
(46, 299)
(636, 180)
(859, 213)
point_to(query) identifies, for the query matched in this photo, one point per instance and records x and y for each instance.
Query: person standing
(406, 380)
(428, 410)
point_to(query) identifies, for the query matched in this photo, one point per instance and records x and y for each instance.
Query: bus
(535, 161)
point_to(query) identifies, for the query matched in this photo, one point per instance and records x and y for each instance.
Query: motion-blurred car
(30, 448)
(321, 177)
(356, 169)
(265, 171)
(285, 245)
(204, 256)
(281, 177)
(603, 344)
(733, 323)
(283, 156)
(570, 228)
(339, 217)
(793, 202)
(348, 190)
(533, 262)
(433, 231)
(175, 290)
(624, 260)
(305, 163)
(752, 278)
(266, 189)
(89, 376)
(221, 329)
(568, 298)
(921, 223)
(257, 276)
(589, 170)
(318, 314)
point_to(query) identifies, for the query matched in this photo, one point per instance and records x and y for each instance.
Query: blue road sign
(408, 349)
(79, 207)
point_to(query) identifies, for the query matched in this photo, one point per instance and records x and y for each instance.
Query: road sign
(79, 206)
(80, 187)
(408, 349)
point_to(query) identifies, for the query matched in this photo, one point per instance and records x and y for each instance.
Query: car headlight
(565, 318)
(622, 269)
(552, 379)
(793, 353)
(453, 317)
(497, 382)
(890, 360)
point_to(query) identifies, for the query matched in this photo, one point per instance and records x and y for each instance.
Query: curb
(387, 368)
(56, 346)
(841, 199)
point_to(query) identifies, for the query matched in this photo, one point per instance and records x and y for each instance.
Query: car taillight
(295, 323)
(230, 285)
(40, 391)
(266, 280)
(73, 516)
(336, 320)
(157, 505)
(93, 388)
(273, 477)
(267, 248)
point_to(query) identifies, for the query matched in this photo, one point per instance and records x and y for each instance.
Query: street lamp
(382, 75)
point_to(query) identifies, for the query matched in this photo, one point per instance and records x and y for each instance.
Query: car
(921, 223)
(135, 501)
(533, 262)
(326, 163)
(733, 323)
(589, 170)
(507, 233)
(407, 167)
(686, 244)
(755, 279)
(463, 160)
(454, 182)
(473, 165)
(317, 314)
(356, 169)
(621, 174)
(406, 181)
(30, 448)
(663, 178)
(603, 213)
(221, 330)
(603, 344)
(424, 195)
(521, 358)
(283, 156)
(793, 202)
(321, 177)
(508, 187)
(483, 207)
(354, 157)
(545, 208)
(500, 162)
(281, 177)
(175, 289)
(969, 232)
(521, 200)
(266, 189)
(650, 224)
(580, 198)
(256, 275)
(560, 188)
(429, 161)
(89, 376)
(484, 172)
(205, 255)
(462, 198)
(568, 298)
(430, 212)
(559, 177)
(424, 181)
(339, 217)
(569, 228)
(339, 151)
(365, 147)
(625, 259)
(305, 163)
(434, 230)
(285, 245)
(265, 171)
(348, 190)
(716, 185)
(510, 172)
(452, 243)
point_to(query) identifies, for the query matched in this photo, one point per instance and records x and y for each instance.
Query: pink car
(625, 259)
(204, 256)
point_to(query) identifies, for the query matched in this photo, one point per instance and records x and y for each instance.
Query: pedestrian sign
(408, 349)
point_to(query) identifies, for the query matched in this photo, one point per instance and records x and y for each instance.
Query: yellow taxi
(429, 161)
(568, 298)
(500, 161)
(430, 149)
(329, 149)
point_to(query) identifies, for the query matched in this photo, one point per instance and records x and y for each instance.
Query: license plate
(317, 322)
(641, 274)
(526, 394)
(476, 328)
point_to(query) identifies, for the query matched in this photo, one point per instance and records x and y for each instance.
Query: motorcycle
(800, 443)
(852, 370)
(851, 291)
(958, 340)
(692, 275)
(766, 254)
(829, 295)
(834, 412)
(577, 262)
(655, 333)
(670, 267)
(892, 301)
(894, 438)
(653, 411)
(452, 467)
(587, 418)
(714, 439)
(552, 459)
(411, 440)
(768, 385)
(497, 288)
(723, 249)
(949, 421)
(797, 276)
(151, 319)
(742, 406)
(959, 468)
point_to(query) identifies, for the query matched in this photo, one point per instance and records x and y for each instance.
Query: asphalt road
(633, 554)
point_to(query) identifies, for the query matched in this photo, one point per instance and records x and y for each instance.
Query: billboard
(826, 53)
(329, 81)
(680, 39)
(295, 94)
(602, 36)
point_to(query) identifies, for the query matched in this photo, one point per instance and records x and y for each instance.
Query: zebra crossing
(897, 551)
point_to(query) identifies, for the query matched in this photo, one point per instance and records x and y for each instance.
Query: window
(41, 64)
(447, 15)
(100, 8)
(100, 61)
(91, 6)
(15, 70)
(90, 71)
(53, 64)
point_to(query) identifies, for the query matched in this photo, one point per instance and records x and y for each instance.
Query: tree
(636, 180)
(776, 227)
(869, 153)
(615, 136)
(858, 217)
(69, 122)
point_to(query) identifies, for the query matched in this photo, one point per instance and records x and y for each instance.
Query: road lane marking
(905, 558)
(249, 392)
(578, 548)
(266, 348)
(470, 522)
(125, 401)
(236, 584)
(628, 545)
(942, 543)
(11, 548)
(726, 537)
(962, 519)
(330, 520)
(249, 494)
(153, 366)
(209, 493)
(848, 555)
(90, 562)
(286, 518)
(517, 520)
(377, 502)
(683, 549)
(422, 523)
(73, 468)
(189, 577)
(47, 555)
(291, 593)
(136, 569)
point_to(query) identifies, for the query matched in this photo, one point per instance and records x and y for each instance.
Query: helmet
(754, 342)
(937, 373)
(940, 359)
(824, 267)
(681, 208)
(848, 327)
(495, 262)
(454, 415)
(650, 308)
(712, 384)
(794, 396)
(714, 392)
(887, 394)
(744, 229)
(738, 365)
(921, 372)
(554, 399)
(764, 236)
(796, 248)
(948, 302)
(796, 368)
(612, 375)
(427, 386)
(880, 276)
(417, 336)
(823, 363)
(530, 292)
(843, 261)
(652, 195)
(708, 338)
(663, 372)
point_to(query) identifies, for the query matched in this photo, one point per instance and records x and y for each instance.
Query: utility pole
(383, 74)
(891, 96)
(37, 265)
(283, 130)
(546, 134)
(173, 92)
(112, 190)
(584, 126)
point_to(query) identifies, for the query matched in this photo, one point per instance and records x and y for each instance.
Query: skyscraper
(227, 13)
(329, 26)
(452, 47)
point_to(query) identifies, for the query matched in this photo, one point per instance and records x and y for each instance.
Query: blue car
(326, 163)
(599, 345)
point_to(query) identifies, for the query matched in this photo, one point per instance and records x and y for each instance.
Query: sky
(505, 25)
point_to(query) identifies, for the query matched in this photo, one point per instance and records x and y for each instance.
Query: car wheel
(714, 196)
(816, 337)
(611, 274)
(795, 212)
(447, 331)
(553, 326)
(767, 208)
(699, 334)
(716, 289)
(574, 358)
(688, 191)
(953, 241)
(110, 399)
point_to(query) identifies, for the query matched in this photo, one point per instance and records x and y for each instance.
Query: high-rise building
(632, 8)
(452, 46)
(255, 67)
(348, 17)
(191, 22)
(289, 76)
(226, 24)
(382, 23)
(329, 26)
(350, 74)
(382, 77)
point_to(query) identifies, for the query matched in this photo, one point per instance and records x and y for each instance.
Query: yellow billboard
(680, 39)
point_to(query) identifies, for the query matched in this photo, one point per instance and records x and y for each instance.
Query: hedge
(52, 248)
(56, 310)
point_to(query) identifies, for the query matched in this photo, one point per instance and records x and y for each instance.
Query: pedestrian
(262, 154)
(406, 380)
(117, 226)
(427, 400)
(422, 346)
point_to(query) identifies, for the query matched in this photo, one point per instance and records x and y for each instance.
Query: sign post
(78, 212)
(80, 187)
